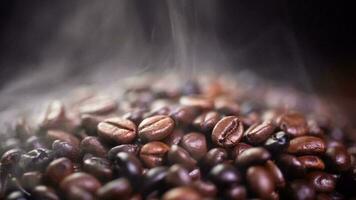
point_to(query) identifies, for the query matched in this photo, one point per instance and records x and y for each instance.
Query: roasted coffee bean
(154, 179)
(58, 169)
(54, 116)
(128, 148)
(90, 123)
(224, 175)
(17, 195)
(260, 181)
(116, 189)
(31, 179)
(65, 149)
(184, 115)
(182, 193)
(128, 166)
(118, 130)
(153, 154)
(329, 196)
(213, 157)
(321, 181)
(195, 144)
(252, 156)
(226, 106)
(239, 148)
(174, 138)
(276, 173)
(236, 192)
(277, 142)
(42, 192)
(300, 190)
(80, 180)
(195, 174)
(135, 115)
(156, 128)
(312, 162)
(293, 123)
(197, 101)
(290, 165)
(205, 188)
(93, 146)
(178, 176)
(206, 121)
(306, 145)
(35, 159)
(98, 105)
(77, 193)
(9, 160)
(34, 142)
(338, 158)
(259, 133)
(227, 132)
(53, 135)
(98, 167)
(179, 155)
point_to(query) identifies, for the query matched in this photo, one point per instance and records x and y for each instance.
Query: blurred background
(307, 44)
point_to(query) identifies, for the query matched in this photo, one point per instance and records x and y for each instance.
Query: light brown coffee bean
(118, 130)
(227, 132)
(306, 145)
(293, 123)
(156, 128)
(153, 154)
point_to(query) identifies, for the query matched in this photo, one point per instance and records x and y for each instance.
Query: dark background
(317, 35)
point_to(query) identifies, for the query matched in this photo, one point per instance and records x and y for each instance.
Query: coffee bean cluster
(196, 141)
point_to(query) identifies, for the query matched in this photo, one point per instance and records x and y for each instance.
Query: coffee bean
(31, 179)
(259, 133)
(195, 174)
(128, 148)
(53, 135)
(312, 162)
(302, 190)
(321, 181)
(178, 176)
(80, 180)
(54, 116)
(98, 167)
(329, 196)
(290, 165)
(213, 157)
(276, 173)
(65, 149)
(43, 192)
(153, 154)
(116, 189)
(182, 193)
(277, 142)
(224, 175)
(227, 132)
(236, 192)
(197, 101)
(338, 158)
(174, 138)
(90, 123)
(34, 142)
(260, 181)
(118, 130)
(10, 159)
(156, 128)
(77, 193)
(195, 144)
(98, 105)
(239, 148)
(179, 155)
(306, 145)
(293, 123)
(93, 146)
(36, 159)
(206, 121)
(58, 169)
(128, 166)
(205, 188)
(226, 106)
(252, 156)
(154, 179)
(184, 115)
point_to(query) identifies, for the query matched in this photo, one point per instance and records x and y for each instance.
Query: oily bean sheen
(306, 145)
(178, 176)
(195, 144)
(154, 179)
(58, 169)
(321, 181)
(236, 192)
(128, 148)
(214, 157)
(44, 192)
(153, 154)
(312, 162)
(293, 123)
(207, 121)
(116, 189)
(182, 193)
(261, 181)
(129, 166)
(98, 167)
(118, 130)
(239, 148)
(300, 189)
(277, 142)
(258, 133)
(93, 146)
(177, 154)
(205, 188)
(155, 128)
(290, 165)
(338, 158)
(81, 180)
(224, 175)
(276, 173)
(252, 156)
(227, 132)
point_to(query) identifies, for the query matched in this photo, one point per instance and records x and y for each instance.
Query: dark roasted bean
(252, 156)
(116, 189)
(300, 190)
(80, 180)
(90, 123)
(128, 148)
(31, 179)
(290, 165)
(179, 155)
(58, 169)
(129, 166)
(293, 123)
(195, 144)
(154, 179)
(53, 135)
(178, 176)
(35, 159)
(42, 192)
(239, 148)
(205, 188)
(93, 146)
(236, 192)
(329, 196)
(174, 138)
(321, 181)
(260, 181)
(182, 193)
(312, 162)
(34, 142)
(227, 132)
(118, 130)
(213, 157)
(206, 121)
(338, 158)
(276, 173)
(9, 160)
(77, 193)
(306, 145)
(184, 115)
(98, 167)
(277, 142)
(65, 149)
(224, 175)
(156, 128)
(153, 154)
(259, 133)
(195, 174)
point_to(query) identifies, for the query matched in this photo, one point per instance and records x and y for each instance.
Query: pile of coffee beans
(189, 141)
